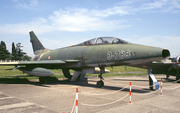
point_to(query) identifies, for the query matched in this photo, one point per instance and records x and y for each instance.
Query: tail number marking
(118, 55)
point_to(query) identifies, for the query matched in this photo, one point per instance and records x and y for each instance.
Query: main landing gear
(42, 80)
(177, 75)
(101, 83)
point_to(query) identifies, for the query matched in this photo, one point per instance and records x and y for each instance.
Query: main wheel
(177, 76)
(42, 80)
(100, 84)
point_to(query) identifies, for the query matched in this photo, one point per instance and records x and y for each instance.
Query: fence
(76, 102)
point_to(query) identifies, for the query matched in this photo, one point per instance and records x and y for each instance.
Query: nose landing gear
(100, 83)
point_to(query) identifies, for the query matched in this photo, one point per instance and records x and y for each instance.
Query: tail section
(38, 48)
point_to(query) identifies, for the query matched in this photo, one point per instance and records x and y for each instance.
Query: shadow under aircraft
(83, 58)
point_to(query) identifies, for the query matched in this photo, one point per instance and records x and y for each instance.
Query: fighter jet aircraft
(84, 57)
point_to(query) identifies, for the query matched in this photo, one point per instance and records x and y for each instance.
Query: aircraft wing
(154, 65)
(41, 62)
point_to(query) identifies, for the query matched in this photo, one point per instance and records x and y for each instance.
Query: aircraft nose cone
(149, 53)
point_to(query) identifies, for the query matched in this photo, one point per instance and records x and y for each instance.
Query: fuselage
(104, 55)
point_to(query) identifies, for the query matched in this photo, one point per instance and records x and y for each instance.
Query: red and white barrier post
(161, 86)
(76, 100)
(130, 93)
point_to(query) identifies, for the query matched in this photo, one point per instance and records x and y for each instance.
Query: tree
(17, 52)
(20, 55)
(4, 53)
(26, 57)
(14, 52)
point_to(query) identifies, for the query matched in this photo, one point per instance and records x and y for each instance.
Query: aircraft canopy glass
(104, 40)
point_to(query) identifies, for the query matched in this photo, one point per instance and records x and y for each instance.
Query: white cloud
(161, 6)
(82, 19)
(26, 4)
(127, 2)
(116, 10)
(85, 20)
(15, 0)
(136, 6)
(33, 2)
(40, 25)
(176, 3)
(155, 4)
(74, 20)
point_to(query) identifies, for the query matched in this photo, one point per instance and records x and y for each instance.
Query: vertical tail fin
(38, 48)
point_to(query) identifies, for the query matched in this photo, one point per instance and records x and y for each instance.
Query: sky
(61, 23)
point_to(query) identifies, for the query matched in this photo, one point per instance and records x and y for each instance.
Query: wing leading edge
(41, 62)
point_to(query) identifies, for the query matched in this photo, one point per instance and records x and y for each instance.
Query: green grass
(118, 74)
(30, 77)
(125, 69)
(6, 72)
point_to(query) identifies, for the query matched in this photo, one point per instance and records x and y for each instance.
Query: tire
(177, 76)
(100, 84)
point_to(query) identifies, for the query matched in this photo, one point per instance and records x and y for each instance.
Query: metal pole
(161, 86)
(130, 93)
(76, 100)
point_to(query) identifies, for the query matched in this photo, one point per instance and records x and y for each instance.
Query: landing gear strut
(101, 83)
(42, 80)
(167, 76)
(177, 75)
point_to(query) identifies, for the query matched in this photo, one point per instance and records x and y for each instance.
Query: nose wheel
(100, 84)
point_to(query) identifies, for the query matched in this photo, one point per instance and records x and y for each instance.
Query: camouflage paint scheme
(102, 55)
(84, 57)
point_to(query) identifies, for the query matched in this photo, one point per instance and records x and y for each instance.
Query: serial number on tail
(123, 54)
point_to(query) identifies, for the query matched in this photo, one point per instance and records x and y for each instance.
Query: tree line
(17, 52)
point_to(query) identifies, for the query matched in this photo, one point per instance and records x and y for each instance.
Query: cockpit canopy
(103, 40)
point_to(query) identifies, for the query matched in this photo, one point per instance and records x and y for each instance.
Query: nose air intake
(165, 53)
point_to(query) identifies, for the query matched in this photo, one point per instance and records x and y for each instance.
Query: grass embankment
(123, 71)
(6, 72)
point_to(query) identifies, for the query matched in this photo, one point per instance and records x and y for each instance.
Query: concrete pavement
(57, 96)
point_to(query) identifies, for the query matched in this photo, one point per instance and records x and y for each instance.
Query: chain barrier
(105, 104)
(75, 108)
(76, 103)
(142, 86)
(177, 80)
(146, 93)
(105, 93)
(73, 105)
(174, 81)
(171, 88)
